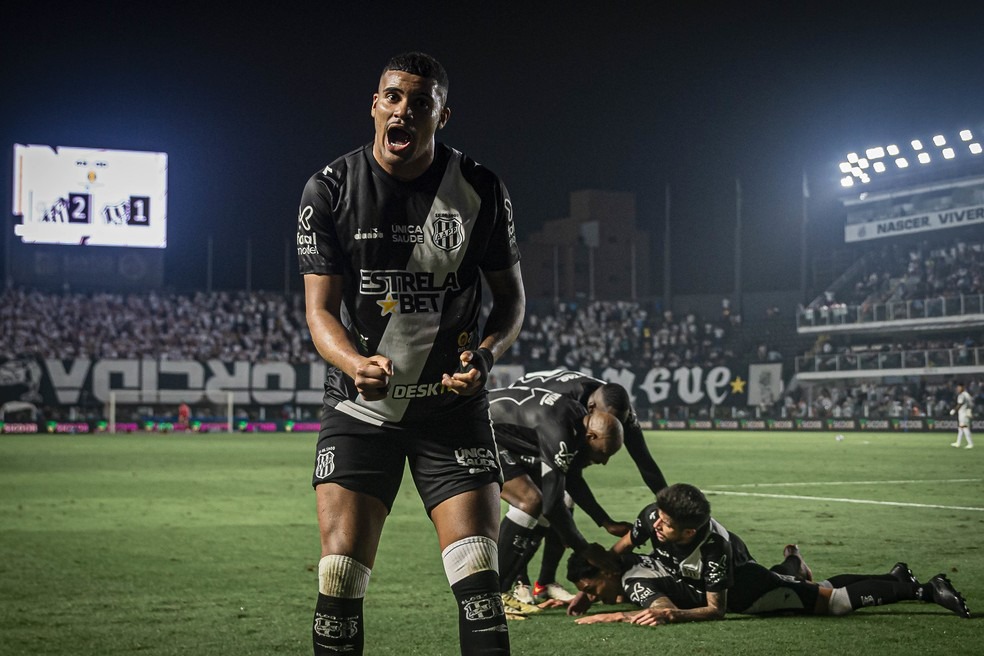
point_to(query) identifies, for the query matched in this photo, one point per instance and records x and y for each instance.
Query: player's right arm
(323, 300)
(664, 611)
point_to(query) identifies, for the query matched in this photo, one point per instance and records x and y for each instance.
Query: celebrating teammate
(699, 571)
(964, 412)
(392, 239)
(593, 394)
(545, 441)
(596, 394)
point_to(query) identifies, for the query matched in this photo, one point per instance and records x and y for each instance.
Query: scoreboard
(89, 196)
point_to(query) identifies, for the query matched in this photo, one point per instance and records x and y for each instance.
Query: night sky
(249, 102)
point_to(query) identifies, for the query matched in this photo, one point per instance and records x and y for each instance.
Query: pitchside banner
(951, 218)
(75, 382)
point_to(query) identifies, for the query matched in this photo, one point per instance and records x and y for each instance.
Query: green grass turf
(207, 544)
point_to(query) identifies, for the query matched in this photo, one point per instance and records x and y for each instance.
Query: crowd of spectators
(879, 400)
(583, 335)
(956, 351)
(594, 335)
(920, 274)
(228, 326)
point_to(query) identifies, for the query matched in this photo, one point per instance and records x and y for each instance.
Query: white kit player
(964, 412)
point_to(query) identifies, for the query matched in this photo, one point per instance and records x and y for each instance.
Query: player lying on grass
(699, 571)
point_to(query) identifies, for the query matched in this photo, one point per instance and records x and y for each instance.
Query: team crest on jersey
(448, 232)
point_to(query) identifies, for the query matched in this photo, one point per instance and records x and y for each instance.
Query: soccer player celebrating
(964, 412)
(393, 239)
(545, 441)
(593, 394)
(699, 571)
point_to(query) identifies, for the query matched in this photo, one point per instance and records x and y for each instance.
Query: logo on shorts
(326, 463)
(477, 460)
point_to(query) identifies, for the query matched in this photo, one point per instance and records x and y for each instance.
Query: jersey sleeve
(642, 528)
(719, 566)
(318, 248)
(503, 250)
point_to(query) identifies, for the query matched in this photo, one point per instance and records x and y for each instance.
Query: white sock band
(470, 556)
(517, 516)
(341, 576)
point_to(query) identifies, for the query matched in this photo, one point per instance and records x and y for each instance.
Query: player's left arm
(501, 330)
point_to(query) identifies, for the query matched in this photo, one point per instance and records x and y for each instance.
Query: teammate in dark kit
(545, 439)
(393, 240)
(592, 393)
(699, 570)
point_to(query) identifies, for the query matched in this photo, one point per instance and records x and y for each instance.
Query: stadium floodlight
(948, 153)
(975, 148)
(893, 150)
(863, 163)
(966, 135)
(879, 167)
(865, 178)
(856, 171)
(939, 140)
(924, 158)
(847, 181)
(852, 158)
(916, 144)
(875, 153)
(902, 163)
(845, 167)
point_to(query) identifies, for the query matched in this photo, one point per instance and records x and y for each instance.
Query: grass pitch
(207, 544)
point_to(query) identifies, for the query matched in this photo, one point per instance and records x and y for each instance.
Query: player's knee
(470, 556)
(520, 517)
(343, 577)
(839, 602)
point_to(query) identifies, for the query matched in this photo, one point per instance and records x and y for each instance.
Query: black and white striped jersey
(410, 253)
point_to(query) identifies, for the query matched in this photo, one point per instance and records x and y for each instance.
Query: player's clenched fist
(372, 377)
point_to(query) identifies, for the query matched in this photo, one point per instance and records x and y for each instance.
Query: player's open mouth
(397, 138)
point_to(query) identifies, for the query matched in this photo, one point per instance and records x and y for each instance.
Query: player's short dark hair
(579, 568)
(617, 399)
(421, 64)
(685, 505)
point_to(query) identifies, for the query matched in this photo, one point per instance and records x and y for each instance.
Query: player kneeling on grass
(699, 571)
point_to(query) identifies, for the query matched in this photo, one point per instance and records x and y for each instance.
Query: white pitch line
(799, 484)
(864, 501)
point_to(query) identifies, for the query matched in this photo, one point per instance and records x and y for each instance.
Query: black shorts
(450, 455)
(755, 591)
(758, 590)
(514, 466)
